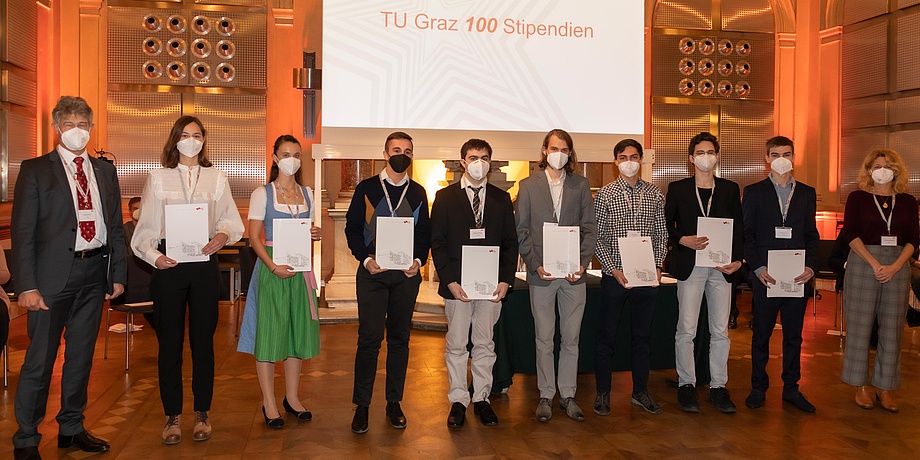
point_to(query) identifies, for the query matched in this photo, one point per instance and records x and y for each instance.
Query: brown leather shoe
(172, 434)
(202, 430)
(863, 399)
(886, 400)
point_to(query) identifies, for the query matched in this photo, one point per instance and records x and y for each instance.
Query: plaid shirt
(619, 208)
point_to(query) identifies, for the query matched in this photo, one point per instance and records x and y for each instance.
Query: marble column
(353, 172)
(340, 290)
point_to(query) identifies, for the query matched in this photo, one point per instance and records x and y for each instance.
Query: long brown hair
(170, 156)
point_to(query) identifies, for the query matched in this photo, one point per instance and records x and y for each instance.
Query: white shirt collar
(67, 156)
(550, 179)
(186, 168)
(383, 176)
(464, 182)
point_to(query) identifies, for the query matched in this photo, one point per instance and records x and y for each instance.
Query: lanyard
(785, 209)
(700, 200)
(290, 207)
(638, 206)
(882, 213)
(387, 195)
(84, 194)
(557, 201)
(188, 196)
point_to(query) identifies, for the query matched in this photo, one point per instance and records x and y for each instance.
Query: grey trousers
(571, 299)
(866, 299)
(75, 313)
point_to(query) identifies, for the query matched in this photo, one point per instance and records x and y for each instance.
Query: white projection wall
(478, 65)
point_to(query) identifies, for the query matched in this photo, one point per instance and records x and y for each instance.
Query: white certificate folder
(561, 250)
(479, 271)
(719, 250)
(638, 261)
(395, 242)
(292, 243)
(784, 266)
(186, 231)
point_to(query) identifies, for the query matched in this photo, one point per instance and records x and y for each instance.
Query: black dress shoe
(486, 415)
(457, 415)
(755, 399)
(798, 400)
(26, 453)
(359, 422)
(304, 415)
(732, 322)
(395, 416)
(273, 423)
(83, 441)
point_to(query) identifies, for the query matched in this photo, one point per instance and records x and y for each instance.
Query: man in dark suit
(556, 195)
(779, 213)
(472, 212)
(703, 196)
(68, 256)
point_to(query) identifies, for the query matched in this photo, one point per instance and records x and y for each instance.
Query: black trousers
(792, 317)
(385, 300)
(197, 285)
(641, 302)
(75, 312)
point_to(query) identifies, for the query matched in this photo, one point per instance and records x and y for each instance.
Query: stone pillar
(340, 290)
(353, 172)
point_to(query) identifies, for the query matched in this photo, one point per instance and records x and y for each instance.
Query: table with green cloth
(515, 346)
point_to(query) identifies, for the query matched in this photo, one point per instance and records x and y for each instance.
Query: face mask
(288, 166)
(882, 176)
(629, 168)
(75, 139)
(478, 169)
(557, 160)
(400, 163)
(781, 165)
(705, 162)
(136, 214)
(189, 147)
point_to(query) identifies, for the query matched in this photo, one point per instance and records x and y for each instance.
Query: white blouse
(257, 204)
(173, 186)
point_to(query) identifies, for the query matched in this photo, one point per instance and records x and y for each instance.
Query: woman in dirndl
(281, 321)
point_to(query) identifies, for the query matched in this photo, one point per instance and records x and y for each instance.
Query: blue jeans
(718, 302)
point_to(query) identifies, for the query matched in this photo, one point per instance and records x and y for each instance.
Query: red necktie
(84, 201)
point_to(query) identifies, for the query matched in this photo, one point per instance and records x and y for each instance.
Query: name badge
(86, 215)
(890, 240)
(784, 233)
(477, 233)
(633, 234)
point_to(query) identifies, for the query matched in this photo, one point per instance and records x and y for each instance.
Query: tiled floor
(125, 409)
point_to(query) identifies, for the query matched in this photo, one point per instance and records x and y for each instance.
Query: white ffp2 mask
(189, 146)
(288, 166)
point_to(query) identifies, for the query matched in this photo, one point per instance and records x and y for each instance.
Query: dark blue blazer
(762, 215)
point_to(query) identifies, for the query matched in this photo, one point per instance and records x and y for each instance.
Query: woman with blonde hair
(881, 227)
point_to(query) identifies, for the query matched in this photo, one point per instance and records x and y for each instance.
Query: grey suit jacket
(535, 207)
(43, 226)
